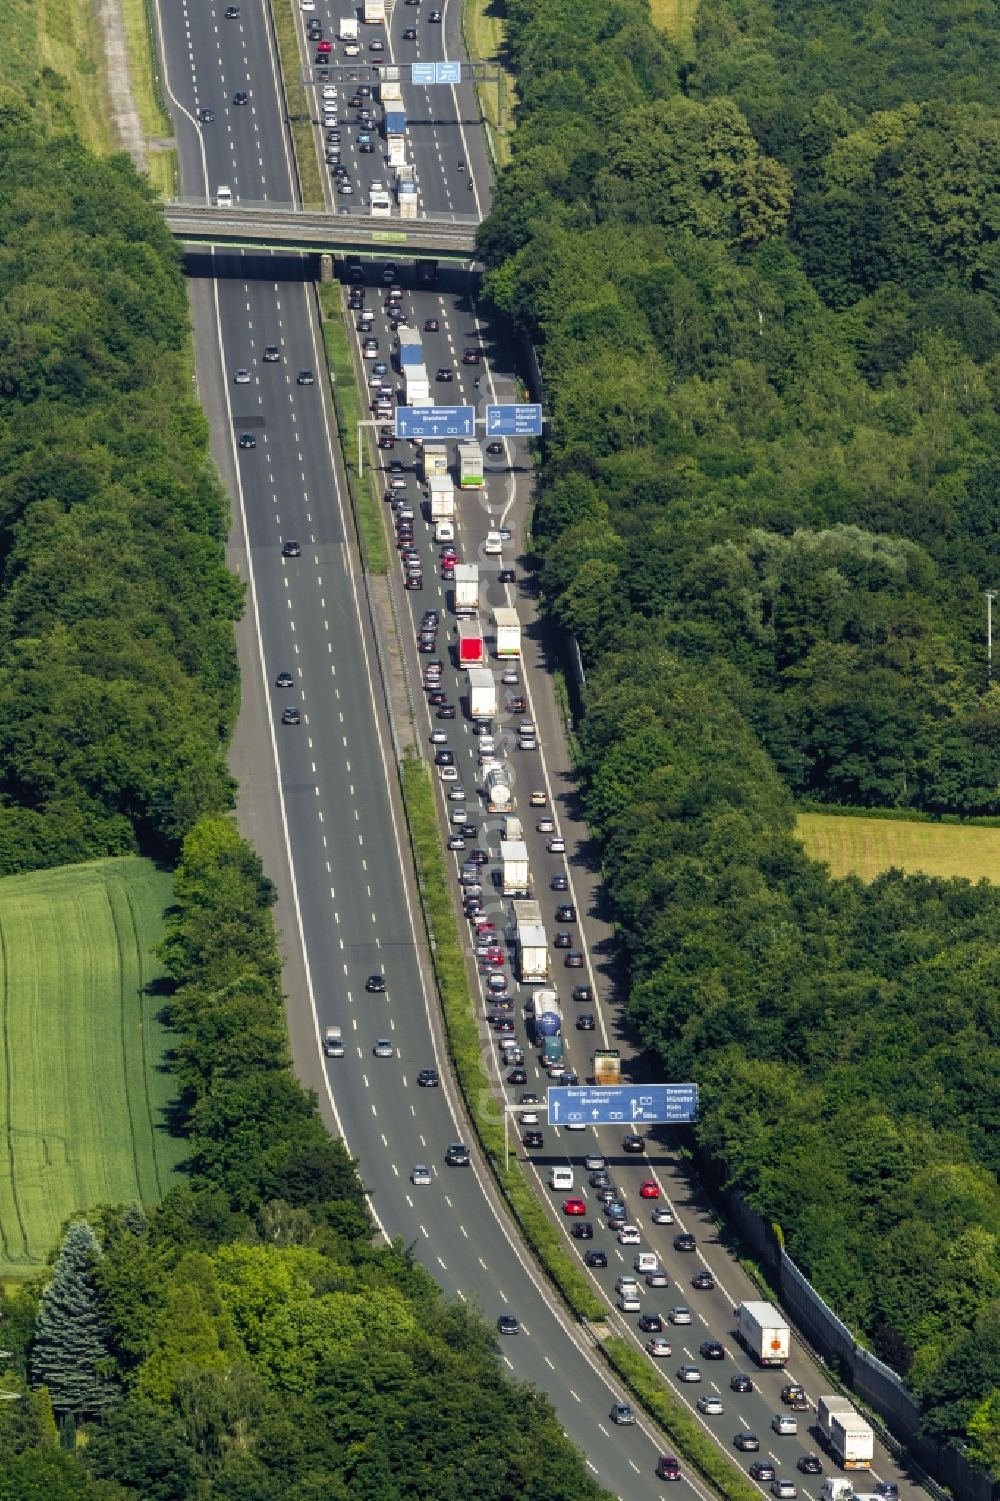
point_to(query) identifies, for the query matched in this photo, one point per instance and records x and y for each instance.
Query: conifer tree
(70, 1353)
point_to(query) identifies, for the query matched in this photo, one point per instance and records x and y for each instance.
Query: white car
(351, 49)
(376, 185)
(626, 1284)
(629, 1235)
(307, 4)
(556, 846)
(448, 773)
(711, 1406)
(545, 826)
(528, 1118)
(783, 1422)
(242, 377)
(383, 1048)
(420, 1177)
(575, 1126)
(329, 91)
(679, 1315)
(493, 546)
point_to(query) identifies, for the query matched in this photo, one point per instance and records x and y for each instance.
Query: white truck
(496, 782)
(380, 204)
(390, 92)
(482, 693)
(838, 1488)
(406, 195)
(761, 1330)
(416, 386)
(396, 154)
(508, 629)
(466, 588)
(532, 945)
(442, 496)
(514, 873)
(349, 28)
(512, 827)
(850, 1439)
(470, 465)
(374, 12)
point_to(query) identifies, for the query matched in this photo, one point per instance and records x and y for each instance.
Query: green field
(82, 1087)
(866, 846)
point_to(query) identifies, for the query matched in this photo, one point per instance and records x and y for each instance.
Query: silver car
(680, 1315)
(420, 1176)
(383, 1048)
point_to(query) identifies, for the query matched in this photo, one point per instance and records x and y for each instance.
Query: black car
(517, 1076)
(305, 378)
(596, 1258)
(762, 1469)
(634, 1144)
(507, 576)
(428, 1078)
(740, 1383)
(247, 440)
(585, 1022)
(534, 1139)
(600, 1178)
(469, 830)
(573, 960)
(232, 12)
(651, 1323)
(809, 1464)
(284, 680)
(206, 116)
(495, 448)
(703, 1281)
(559, 882)
(410, 34)
(747, 1443)
(431, 326)
(444, 757)
(291, 716)
(375, 984)
(445, 373)
(711, 1349)
(582, 1230)
(684, 1241)
(446, 711)
(583, 992)
(507, 1324)
(457, 1155)
(562, 941)
(566, 913)
(241, 97)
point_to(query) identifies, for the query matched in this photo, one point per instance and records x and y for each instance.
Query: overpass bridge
(285, 226)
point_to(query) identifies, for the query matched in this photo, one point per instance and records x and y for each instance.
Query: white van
(444, 531)
(561, 1178)
(223, 197)
(333, 1042)
(646, 1261)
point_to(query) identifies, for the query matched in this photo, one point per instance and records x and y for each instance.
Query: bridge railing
(274, 211)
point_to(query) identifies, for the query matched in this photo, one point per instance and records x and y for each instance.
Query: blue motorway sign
(514, 419)
(435, 422)
(623, 1104)
(428, 73)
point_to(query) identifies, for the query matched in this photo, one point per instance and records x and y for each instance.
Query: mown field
(865, 846)
(82, 1091)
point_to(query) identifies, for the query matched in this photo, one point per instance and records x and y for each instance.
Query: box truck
(466, 588)
(406, 196)
(416, 386)
(482, 693)
(471, 646)
(532, 945)
(761, 1329)
(349, 28)
(607, 1066)
(374, 12)
(849, 1437)
(442, 494)
(470, 465)
(508, 629)
(512, 827)
(433, 456)
(514, 874)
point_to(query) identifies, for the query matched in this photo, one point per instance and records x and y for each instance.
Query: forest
(761, 277)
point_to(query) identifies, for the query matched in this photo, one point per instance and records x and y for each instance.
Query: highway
(319, 797)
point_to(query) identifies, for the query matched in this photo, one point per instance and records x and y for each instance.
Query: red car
(668, 1468)
(649, 1190)
(574, 1206)
(324, 46)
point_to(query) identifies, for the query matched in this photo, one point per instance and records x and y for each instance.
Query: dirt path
(125, 121)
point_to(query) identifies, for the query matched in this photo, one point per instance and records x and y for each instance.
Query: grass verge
(466, 1047)
(304, 135)
(83, 1092)
(483, 29)
(674, 1418)
(867, 846)
(140, 40)
(347, 405)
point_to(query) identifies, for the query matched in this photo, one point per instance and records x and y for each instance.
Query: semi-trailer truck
(508, 629)
(850, 1439)
(466, 588)
(496, 781)
(761, 1330)
(548, 1014)
(482, 693)
(515, 876)
(533, 954)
